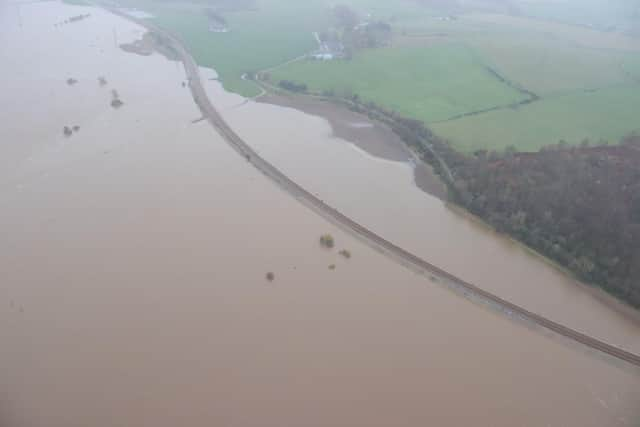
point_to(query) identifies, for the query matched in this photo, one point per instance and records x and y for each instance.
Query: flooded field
(381, 195)
(134, 255)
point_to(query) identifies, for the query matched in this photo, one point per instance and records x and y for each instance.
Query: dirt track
(364, 234)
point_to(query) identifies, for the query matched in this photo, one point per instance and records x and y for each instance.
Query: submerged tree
(327, 241)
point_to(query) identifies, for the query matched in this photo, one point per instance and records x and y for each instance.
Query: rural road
(362, 233)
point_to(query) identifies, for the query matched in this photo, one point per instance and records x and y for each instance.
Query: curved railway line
(363, 233)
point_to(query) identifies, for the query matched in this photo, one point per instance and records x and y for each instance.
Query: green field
(274, 32)
(548, 67)
(607, 114)
(435, 69)
(428, 83)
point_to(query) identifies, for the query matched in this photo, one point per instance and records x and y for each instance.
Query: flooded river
(381, 195)
(134, 252)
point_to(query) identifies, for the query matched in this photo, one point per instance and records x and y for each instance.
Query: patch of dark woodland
(579, 206)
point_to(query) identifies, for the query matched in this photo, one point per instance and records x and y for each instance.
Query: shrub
(327, 241)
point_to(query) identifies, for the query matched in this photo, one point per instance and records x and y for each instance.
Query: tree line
(577, 205)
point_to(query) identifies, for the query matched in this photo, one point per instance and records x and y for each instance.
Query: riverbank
(366, 235)
(468, 169)
(372, 136)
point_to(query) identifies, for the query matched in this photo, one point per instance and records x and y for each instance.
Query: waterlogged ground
(134, 254)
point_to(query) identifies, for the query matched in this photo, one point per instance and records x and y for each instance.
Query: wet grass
(607, 114)
(427, 83)
(275, 32)
(547, 66)
(435, 81)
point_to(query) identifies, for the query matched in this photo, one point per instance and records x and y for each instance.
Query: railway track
(372, 239)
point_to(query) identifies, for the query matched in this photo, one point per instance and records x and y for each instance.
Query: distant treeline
(293, 86)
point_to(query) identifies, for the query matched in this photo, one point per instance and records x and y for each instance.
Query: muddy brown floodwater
(134, 254)
(381, 195)
(373, 137)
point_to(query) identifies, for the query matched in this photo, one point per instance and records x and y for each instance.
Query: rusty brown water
(133, 257)
(382, 196)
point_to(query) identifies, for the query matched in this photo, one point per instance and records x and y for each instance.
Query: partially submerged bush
(332, 267)
(67, 131)
(327, 241)
(345, 253)
(115, 101)
(270, 276)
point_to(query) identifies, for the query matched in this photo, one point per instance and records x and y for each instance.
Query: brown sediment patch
(373, 137)
(429, 182)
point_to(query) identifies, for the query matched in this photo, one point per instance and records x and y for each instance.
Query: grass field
(276, 31)
(562, 64)
(547, 66)
(588, 80)
(607, 114)
(428, 83)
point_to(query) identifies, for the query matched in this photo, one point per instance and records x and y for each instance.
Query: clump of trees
(580, 206)
(68, 130)
(77, 18)
(327, 241)
(345, 253)
(293, 86)
(368, 36)
(355, 34)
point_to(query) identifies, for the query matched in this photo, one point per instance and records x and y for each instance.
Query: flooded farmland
(135, 250)
(381, 195)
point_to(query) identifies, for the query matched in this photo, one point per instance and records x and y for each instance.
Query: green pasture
(435, 69)
(428, 83)
(274, 32)
(607, 114)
